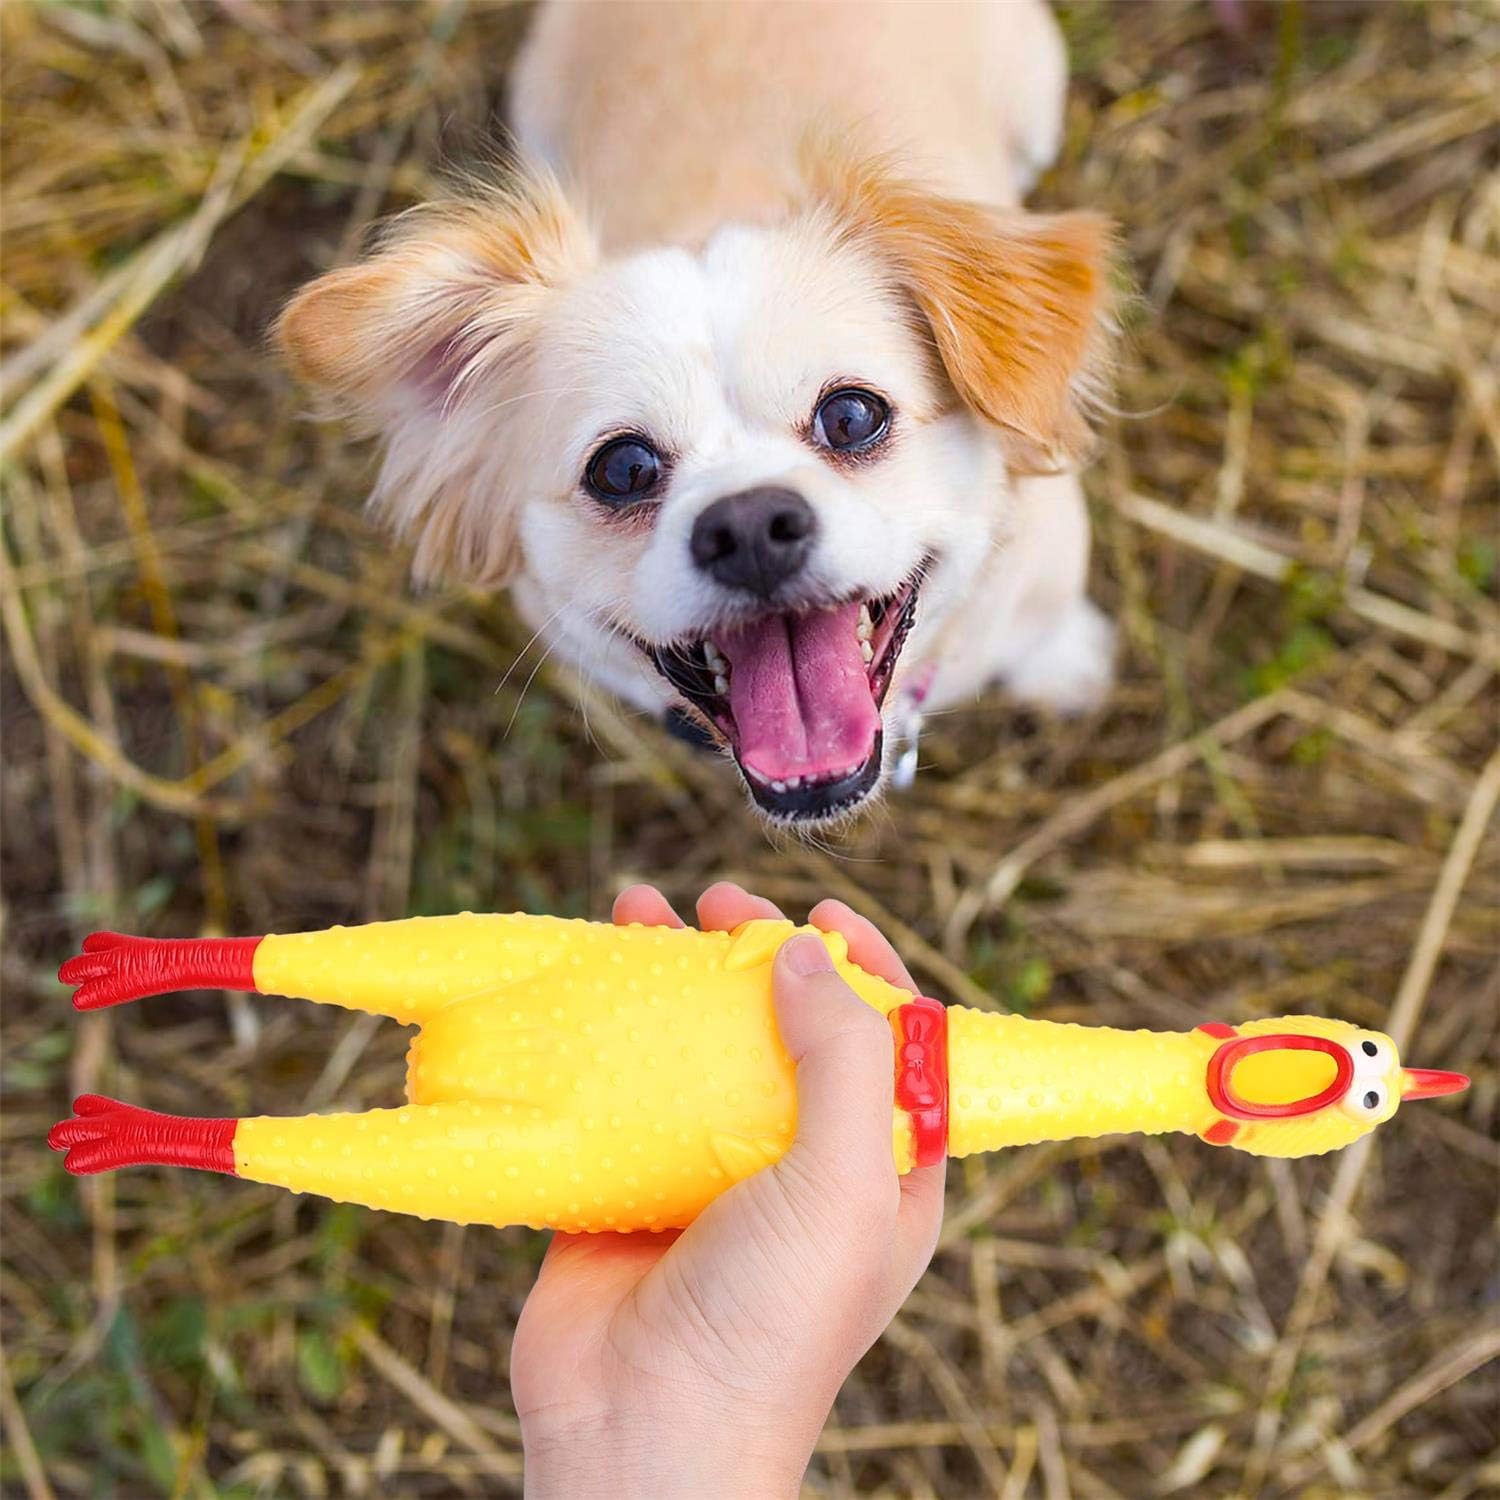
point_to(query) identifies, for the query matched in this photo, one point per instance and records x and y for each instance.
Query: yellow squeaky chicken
(572, 1075)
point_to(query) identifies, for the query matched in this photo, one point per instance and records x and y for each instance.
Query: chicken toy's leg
(475, 1163)
(104, 1134)
(114, 968)
(404, 969)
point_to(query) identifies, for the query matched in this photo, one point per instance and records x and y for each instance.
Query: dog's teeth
(793, 782)
(721, 684)
(778, 786)
(867, 651)
(866, 626)
(714, 657)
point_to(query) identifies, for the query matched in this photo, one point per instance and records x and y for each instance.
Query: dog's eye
(625, 468)
(850, 419)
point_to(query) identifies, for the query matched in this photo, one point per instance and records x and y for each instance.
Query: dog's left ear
(1018, 304)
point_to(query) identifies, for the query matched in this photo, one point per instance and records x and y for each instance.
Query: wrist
(681, 1455)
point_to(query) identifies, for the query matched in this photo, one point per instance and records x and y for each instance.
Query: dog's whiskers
(536, 635)
(585, 671)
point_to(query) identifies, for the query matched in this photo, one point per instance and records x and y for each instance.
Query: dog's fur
(731, 210)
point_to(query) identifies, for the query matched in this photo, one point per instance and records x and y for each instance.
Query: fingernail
(807, 955)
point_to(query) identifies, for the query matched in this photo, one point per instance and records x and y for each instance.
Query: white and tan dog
(758, 388)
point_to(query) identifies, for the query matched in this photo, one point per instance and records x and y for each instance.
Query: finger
(920, 1216)
(842, 1050)
(725, 905)
(918, 1221)
(867, 945)
(914, 1235)
(646, 905)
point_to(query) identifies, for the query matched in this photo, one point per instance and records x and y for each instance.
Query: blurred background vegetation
(224, 711)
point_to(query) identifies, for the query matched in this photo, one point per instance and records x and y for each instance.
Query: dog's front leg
(1027, 624)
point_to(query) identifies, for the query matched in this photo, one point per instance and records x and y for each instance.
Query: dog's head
(747, 475)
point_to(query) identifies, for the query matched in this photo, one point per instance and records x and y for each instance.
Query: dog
(754, 382)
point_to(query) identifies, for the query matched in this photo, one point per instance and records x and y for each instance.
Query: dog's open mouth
(797, 697)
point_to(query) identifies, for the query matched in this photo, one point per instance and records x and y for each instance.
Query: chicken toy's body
(571, 1075)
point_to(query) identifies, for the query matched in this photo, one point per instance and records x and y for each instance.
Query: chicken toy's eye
(1372, 1057)
(1365, 1100)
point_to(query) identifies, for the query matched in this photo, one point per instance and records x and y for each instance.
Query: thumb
(843, 1051)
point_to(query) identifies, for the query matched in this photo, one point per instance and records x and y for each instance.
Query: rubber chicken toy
(572, 1075)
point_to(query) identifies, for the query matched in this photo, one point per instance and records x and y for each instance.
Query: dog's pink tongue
(800, 695)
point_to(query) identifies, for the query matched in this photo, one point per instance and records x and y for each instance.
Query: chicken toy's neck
(1014, 1081)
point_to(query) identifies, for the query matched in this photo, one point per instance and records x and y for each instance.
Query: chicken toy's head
(1299, 1086)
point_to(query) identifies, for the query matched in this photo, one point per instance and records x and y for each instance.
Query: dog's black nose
(756, 540)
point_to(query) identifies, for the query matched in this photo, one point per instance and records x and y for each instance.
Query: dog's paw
(1070, 669)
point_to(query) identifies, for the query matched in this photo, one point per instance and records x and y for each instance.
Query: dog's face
(754, 479)
(751, 476)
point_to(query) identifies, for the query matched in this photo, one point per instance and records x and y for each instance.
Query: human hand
(704, 1361)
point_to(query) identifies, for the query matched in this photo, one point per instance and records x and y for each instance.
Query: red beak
(1431, 1083)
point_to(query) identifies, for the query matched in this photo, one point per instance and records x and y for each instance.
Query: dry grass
(222, 712)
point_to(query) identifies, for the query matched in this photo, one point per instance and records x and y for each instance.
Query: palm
(575, 1334)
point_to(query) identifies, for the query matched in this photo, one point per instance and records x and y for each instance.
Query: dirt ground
(224, 711)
